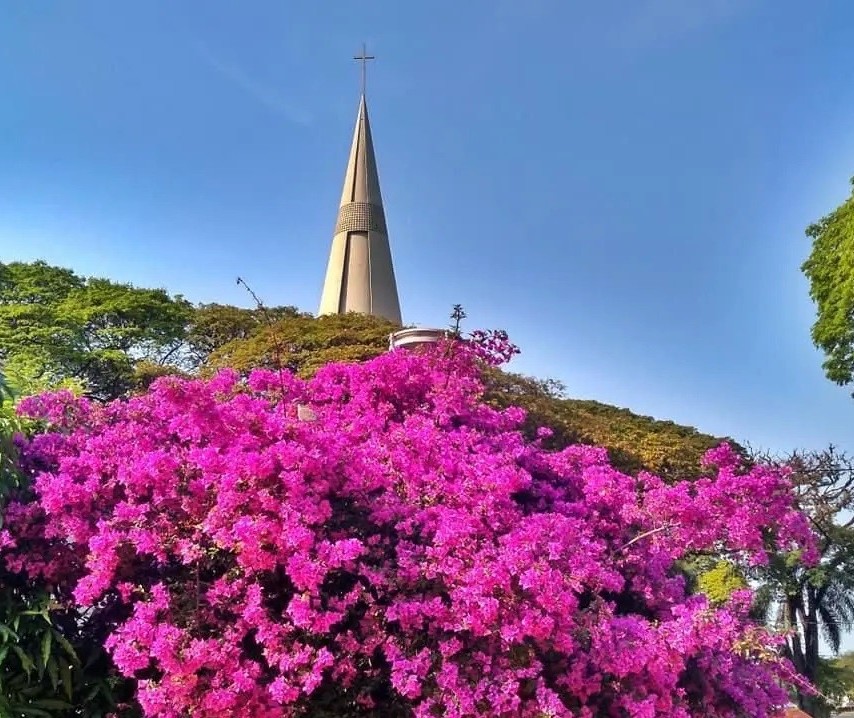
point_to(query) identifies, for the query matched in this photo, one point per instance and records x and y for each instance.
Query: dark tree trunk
(807, 653)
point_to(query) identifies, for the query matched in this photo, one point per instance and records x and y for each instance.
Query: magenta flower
(409, 545)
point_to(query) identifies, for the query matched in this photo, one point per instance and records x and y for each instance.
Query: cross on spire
(363, 58)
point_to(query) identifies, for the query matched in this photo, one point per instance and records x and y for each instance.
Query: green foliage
(215, 325)
(830, 270)
(717, 578)
(50, 666)
(9, 474)
(635, 442)
(41, 672)
(720, 581)
(303, 344)
(56, 327)
(836, 679)
(145, 372)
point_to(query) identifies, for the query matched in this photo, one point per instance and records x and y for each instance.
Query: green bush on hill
(303, 343)
(635, 442)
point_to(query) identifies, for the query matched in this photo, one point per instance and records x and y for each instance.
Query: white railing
(415, 337)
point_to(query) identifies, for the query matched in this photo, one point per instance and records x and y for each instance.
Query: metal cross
(363, 58)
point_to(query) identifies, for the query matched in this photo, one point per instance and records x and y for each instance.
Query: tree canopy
(635, 442)
(830, 271)
(836, 678)
(57, 327)
(303, 343)
(214, 326)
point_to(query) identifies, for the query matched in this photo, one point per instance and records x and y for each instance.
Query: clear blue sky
(623, 186)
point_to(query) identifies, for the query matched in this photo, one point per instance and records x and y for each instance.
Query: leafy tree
(303, 344)
(57, 327)
(814, 601)
(836, 679)
(212, 326)
(830, 270)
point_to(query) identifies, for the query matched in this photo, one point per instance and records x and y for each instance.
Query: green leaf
(67, 647)
(67, 683)
(46, 645)
(30, 711)
(107, 693)
(8, 633)
(58, 329)
(26, 661)
(93, 691)
(53, 704)
(53, 672)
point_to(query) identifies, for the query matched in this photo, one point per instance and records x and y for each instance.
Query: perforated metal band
(360, 217)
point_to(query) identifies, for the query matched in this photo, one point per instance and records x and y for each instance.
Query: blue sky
(623, 186)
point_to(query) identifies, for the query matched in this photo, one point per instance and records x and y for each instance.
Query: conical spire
(360, 275)
(361, 182)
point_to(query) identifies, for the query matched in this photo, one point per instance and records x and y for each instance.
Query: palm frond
(831, 627)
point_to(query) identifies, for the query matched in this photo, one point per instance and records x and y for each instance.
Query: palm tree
(811, 603)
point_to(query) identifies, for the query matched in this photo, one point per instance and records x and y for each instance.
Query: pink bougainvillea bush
(407, 553)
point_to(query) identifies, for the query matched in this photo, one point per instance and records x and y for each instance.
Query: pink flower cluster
(408, 546)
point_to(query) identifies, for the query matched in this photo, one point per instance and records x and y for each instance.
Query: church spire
(360, 275)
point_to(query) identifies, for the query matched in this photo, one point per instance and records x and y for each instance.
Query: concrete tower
(360, 275)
